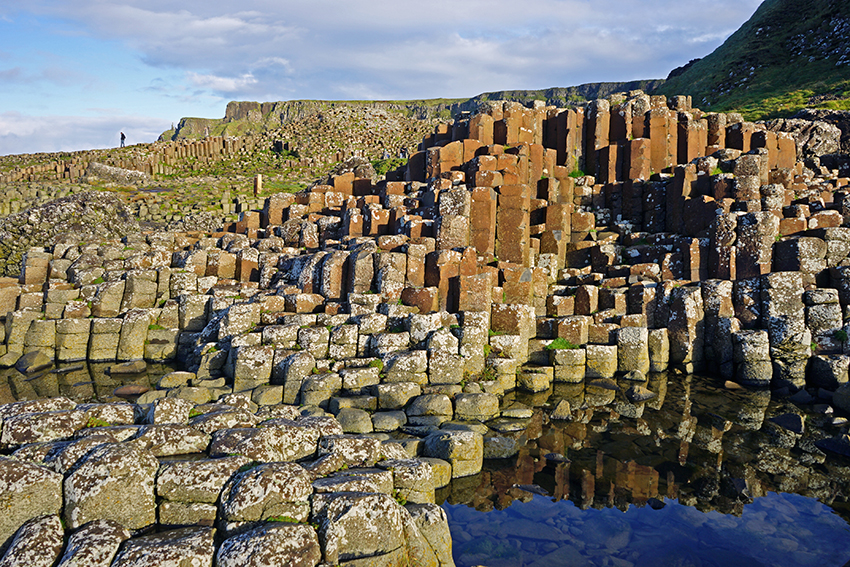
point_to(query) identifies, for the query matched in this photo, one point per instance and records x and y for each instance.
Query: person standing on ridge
(123, 137)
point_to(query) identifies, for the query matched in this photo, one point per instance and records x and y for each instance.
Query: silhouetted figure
(123, 137)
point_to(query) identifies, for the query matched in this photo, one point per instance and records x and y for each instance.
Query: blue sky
(74, 73)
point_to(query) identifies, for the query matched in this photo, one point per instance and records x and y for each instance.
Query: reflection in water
(696, 476)
(773, 530)
(81, 382)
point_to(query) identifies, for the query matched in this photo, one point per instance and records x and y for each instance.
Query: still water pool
(698, 476)
(776, 529)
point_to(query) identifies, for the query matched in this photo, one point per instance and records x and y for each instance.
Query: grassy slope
(765, 70)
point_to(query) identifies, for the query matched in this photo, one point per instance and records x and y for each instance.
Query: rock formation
(520, 248)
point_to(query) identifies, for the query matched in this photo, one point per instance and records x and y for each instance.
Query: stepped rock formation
(518, 248)
(82, 217)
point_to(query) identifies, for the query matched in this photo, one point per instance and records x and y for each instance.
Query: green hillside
(790, 54)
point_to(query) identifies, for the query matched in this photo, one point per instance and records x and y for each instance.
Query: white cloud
(406, 48)
(223, 84)
(199, 54)
(20, 133)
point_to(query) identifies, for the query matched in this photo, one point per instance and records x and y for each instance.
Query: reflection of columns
(599, 464)
(562, 481)
(672, 489)
(524, 467)
(610, 502)
(588, 489)
(683, 452)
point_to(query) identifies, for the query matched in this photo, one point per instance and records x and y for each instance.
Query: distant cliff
(245, 117)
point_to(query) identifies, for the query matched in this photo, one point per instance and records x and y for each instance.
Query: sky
(75, 73)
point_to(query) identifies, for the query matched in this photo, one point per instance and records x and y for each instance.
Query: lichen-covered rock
(396, 395)
(36, 406)
(66, 455)
(417, 548)
(134, 332)
(274, 412)
(175, 548)
(441, 471)
(294, 545)
(430, 405)
(169, 410)
(171, 439)
(117, 433)
(117, 413)
(298, 440)
(186, 513)
(291, 372)
(355, 450)
(95, 544)
(601, 361)
(197, 481)
(41, 427)
(479, 407)
(264, 444)
(388, 420)
(252, 367)
(27, 491)
(633, 349)
(226, 419)
(463, 449)
(434, 527)
(355, 480)
(93, 214)
(412, 479)
(357, 525)
(267, 491)
(324, 424)
(38, 543)
(115, 482)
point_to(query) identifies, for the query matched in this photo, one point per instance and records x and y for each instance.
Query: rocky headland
(348, 349)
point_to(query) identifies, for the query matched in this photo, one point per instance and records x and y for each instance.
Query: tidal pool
(697, 476)
(775, 529)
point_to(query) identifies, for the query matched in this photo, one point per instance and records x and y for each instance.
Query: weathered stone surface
(197, 481)
(353, 450)
(434, 527)
(267, 491)
(601, 361)
(41, 427)
(463, 449)
(361, 479)
(169, 410)
(27, 491)
(253, 367)
(95, 544)
(271, 544)
(356, 525)
(115, 482)
(476, 406)
(186, 546)
(225, 419)
(171, 439)
(412, 479)
(134, 332)
(182, 514)
(355, 420)
(397, 395)
(38, 543)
